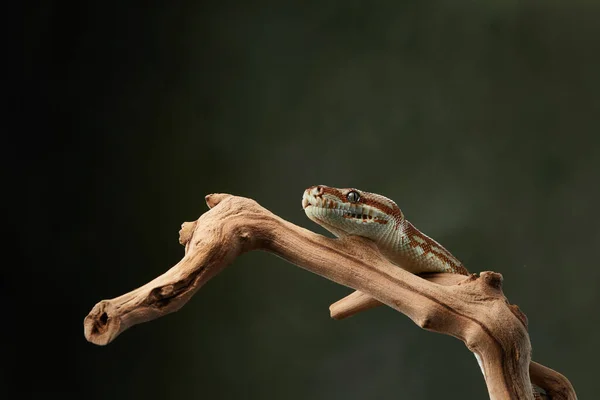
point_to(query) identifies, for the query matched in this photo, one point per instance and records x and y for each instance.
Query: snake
(350, 211)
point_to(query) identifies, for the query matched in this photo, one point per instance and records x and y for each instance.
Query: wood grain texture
(470, 308)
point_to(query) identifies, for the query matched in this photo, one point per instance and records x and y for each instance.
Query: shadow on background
(480, 121)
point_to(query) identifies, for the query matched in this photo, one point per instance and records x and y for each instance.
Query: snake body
(354, 212)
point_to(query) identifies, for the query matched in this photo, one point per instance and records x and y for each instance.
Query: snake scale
(354, 212)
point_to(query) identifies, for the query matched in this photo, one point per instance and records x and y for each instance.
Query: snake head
(351, 211)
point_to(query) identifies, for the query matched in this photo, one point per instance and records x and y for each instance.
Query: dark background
(480, 120)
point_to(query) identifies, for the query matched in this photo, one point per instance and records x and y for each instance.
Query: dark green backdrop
(480, 120)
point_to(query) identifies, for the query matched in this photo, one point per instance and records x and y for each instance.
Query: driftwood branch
(556, 386)
(472, 309)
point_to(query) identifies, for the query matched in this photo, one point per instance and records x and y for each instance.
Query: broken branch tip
(215, 198)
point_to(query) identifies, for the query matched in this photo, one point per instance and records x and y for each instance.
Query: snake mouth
(331, 210)
(363, 217)
(306, 203)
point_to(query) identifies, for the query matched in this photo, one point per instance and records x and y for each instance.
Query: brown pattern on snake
(392, 211)
(425, 251)
(429, 245)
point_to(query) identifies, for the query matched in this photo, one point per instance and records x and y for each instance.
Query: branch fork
(471, 308)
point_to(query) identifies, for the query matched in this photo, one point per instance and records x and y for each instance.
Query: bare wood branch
(357, 301)
(473, 310)
(556, 386)
(352, 304)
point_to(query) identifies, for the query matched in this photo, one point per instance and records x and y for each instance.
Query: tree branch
(473, 310)
(556, 385)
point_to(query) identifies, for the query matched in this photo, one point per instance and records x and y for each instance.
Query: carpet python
(355, 212)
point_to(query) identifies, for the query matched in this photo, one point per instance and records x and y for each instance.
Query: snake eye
(353, 196)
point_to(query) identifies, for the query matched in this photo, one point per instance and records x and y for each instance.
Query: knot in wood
(186, 231)
(426, 322)
(492, 279)
(161, 296)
